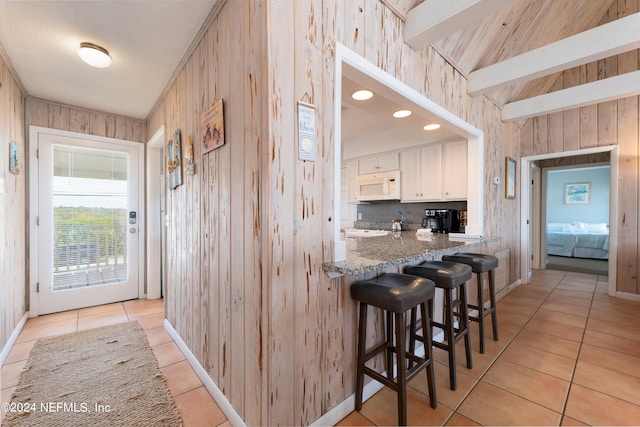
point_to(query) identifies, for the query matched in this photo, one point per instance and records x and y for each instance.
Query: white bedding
(579, 240)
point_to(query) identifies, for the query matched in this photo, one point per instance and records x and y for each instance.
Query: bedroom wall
(13, 282)
(595, 211)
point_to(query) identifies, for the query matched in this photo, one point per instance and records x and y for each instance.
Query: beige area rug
(100, 377)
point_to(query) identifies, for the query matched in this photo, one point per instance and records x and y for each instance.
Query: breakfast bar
(378, 253)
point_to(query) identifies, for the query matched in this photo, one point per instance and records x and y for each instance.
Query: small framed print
(576, 193)
(14, 159)
(510, 178)
(174, 160)
(212, 127)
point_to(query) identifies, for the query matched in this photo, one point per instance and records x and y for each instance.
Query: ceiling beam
(620, 86)
(607, 40)
(433, 20)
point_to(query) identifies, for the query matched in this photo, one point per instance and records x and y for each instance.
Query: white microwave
(378, 186)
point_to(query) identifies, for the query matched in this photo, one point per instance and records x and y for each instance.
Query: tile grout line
(500, 354)
(455, 410)
(575, 366)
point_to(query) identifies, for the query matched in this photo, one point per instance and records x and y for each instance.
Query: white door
(88, 220)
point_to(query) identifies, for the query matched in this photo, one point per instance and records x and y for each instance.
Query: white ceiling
(147, 40)
(373, 117)
(369, 126)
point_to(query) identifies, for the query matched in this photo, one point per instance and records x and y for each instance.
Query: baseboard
(12, 339)
(229, 411)
(507, 289)
(345, 407)
(628, 296)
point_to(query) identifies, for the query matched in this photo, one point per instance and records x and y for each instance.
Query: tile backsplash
(384, 212)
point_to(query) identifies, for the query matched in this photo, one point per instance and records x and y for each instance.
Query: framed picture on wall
(212, 127)
(510, 178)
(576, 192)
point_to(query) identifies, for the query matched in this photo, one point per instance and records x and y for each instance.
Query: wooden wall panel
(274, 333)
(425, 71)
(608, 123)
(215, 295)
(62, 117)
(13, 259)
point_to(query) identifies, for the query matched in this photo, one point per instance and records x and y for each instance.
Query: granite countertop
(368, 254)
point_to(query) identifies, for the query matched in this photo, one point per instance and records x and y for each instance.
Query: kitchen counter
(369, 254)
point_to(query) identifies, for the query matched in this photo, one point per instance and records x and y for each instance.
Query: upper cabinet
(350, 174)
(421, 174)
(435, 172)
(380, 163)
(455, 170)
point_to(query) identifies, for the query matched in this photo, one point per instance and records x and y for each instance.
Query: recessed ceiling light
(94, 55)
(402, 113)
(362, 95)
(432, 126)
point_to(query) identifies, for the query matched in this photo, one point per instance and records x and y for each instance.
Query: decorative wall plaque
(212, 128)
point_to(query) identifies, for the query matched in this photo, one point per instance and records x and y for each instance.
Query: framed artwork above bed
(576, 192)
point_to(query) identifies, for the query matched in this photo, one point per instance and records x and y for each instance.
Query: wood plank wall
(63, 117)
(249, 232)
(13, 282)
(215, 291)
(608, 123)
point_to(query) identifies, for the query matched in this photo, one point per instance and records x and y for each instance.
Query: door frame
(526, 200)
(34, 207)
(155, 242)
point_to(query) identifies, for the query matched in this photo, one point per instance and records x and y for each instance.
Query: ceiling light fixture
(432, 126)
(401, 113)
(94, 55)
(362, 95)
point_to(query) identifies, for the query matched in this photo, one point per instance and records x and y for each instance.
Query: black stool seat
(481, 263)
(393, 292)
(396, 294)
(444, 274)
(449, 276)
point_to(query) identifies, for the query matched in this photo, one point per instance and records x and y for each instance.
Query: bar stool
(450, 276)
(481, 263)
(396, 294)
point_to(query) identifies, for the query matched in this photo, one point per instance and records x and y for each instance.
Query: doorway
(575, 224)
(86, 246)
(155, 217)
(527, 242)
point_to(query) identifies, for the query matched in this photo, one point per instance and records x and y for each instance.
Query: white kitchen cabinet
(351, 173)
(455, 170)
(348, 210)
(421, 174)
(435, 172)
(379, 163)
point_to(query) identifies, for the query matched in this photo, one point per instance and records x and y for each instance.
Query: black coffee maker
(430, 220)
(442, 220)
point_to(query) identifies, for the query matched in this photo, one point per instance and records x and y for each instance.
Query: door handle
(132, 230)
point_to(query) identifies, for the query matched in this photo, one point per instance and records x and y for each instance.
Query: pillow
(600, 227)
(578, 226)
(558, 227)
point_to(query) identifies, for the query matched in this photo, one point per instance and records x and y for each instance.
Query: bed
(578, 240)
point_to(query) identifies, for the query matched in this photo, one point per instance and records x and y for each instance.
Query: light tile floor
(192, 399)
(568, 354)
